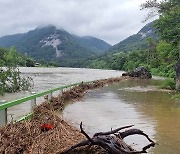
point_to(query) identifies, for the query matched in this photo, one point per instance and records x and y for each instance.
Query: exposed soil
(28, 136)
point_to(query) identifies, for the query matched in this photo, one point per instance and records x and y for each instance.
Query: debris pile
(46, 132)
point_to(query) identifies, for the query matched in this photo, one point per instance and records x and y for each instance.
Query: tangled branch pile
(112, 141)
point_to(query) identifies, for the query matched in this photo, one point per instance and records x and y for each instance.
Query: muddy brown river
(48, 78)
(137, 102)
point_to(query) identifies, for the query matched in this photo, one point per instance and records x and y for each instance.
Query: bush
(10, 76)
(168, 84)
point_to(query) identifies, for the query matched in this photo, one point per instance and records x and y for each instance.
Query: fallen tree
(112, 141)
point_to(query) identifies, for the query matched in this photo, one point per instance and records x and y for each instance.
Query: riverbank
(31, 137)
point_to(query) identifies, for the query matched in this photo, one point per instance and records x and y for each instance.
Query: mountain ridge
(50, 43)
(136, 41)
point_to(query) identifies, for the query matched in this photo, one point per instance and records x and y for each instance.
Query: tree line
(160, 55)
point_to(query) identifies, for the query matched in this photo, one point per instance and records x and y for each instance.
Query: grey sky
(110, 20)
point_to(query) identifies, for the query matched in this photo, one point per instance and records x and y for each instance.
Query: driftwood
(112, 141)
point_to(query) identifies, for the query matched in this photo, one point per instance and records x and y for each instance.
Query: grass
(169, 84)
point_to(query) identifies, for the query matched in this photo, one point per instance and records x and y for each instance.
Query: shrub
(168, 84)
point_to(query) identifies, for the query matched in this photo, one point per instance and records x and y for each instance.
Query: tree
(167, 27)
(151, 49)
(136, 59)
(10, 78)
(29, 62)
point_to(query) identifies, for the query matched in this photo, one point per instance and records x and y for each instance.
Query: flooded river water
(48, 78)
(137, 102)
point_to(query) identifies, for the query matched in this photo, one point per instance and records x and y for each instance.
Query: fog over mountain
(109, 20)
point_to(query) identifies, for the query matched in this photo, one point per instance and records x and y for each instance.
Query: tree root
(112, 141)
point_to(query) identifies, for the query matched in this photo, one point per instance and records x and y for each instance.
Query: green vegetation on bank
(10, 76)
(169, 84)
(160, 59)
(21, 60)
(161, 55)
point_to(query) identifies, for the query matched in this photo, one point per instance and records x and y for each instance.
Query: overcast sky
(110, 20)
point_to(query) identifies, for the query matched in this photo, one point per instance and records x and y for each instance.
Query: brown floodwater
(137, 102)
(47, 78)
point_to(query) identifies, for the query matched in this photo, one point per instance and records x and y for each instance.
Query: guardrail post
(49, 96)
(61, 92)
(3, 114)
(33, 101)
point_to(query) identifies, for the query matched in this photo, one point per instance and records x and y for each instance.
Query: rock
(140, 72)
(177, 78)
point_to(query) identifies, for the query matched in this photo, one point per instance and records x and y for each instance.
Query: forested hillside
(155, 46)
(52, 44)
(136, 41)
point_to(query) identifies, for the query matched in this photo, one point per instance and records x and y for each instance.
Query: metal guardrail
(5, 105)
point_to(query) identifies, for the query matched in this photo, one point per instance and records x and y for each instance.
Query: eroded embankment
(28, 137)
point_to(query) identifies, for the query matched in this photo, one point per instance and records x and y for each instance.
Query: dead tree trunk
(112, 141)
(177, 78)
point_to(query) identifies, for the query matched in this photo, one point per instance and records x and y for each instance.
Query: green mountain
(119, 56)
(136, 41)
(52, 44)
(94, 44)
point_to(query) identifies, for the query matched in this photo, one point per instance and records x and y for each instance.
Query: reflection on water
(47, 78)
(131, 102)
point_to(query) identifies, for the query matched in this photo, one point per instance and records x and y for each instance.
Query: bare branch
(112, 131)
(83, 132)
(134, 132)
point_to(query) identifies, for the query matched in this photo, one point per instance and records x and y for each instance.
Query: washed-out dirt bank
(29, 137)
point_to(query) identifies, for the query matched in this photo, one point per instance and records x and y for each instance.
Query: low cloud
(110, 20)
